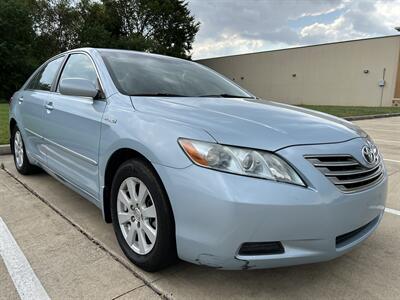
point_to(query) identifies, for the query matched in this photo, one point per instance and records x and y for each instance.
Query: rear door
(73, 129)
(31, 108)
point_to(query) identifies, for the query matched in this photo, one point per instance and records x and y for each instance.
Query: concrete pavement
(75, 254)
(68, 264)
(7, 288)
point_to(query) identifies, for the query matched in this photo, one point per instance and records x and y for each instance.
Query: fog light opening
(261, 248)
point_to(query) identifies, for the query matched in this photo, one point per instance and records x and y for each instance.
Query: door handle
(20, 100)
(49, 106)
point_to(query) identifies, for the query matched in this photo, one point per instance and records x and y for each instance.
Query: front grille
(346, 173)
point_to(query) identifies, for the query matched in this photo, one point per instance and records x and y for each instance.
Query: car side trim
(75, 187)
(33, 133)
(83, 157)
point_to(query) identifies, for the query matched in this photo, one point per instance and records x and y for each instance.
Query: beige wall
(396, 100)
(330, 74)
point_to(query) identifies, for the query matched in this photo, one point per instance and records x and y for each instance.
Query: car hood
(251, 123)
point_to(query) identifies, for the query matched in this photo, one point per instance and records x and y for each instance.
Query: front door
(73, 134)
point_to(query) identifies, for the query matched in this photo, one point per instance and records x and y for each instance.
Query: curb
(367, 117)
(5, 149)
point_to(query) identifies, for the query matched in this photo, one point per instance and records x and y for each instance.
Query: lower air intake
(261, 248)
(347, 238)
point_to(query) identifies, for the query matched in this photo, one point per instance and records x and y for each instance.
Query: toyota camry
(186, 164)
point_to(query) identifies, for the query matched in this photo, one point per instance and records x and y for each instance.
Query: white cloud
(339, 29)
(228, 44)
(323, 12)
(389, 12)
(233, 27)
(361, 19)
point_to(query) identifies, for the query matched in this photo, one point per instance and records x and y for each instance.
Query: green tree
(164, 27)
(92, 31)
(173, 28)
(16, 45)
(31, 31)
(56, 24)
(161, 26)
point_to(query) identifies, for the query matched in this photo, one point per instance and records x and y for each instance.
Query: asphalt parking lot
(74, 254)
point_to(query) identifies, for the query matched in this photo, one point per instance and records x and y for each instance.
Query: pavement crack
(131, 290)
(88, 236)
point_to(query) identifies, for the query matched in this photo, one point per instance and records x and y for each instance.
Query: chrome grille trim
(346, 172)
(356, 172)
(337, 164)
(357, 180)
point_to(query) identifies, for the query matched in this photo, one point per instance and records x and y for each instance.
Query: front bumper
(215, 213)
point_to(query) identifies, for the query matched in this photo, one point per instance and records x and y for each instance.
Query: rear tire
(21, 161)
(142, 217)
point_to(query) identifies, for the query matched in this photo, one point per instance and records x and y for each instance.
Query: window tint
(79, 66)
(45, 77)
(142, 74)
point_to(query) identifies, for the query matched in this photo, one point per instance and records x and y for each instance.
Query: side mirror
(78, 87)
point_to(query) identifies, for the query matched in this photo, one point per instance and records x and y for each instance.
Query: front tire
(21, 161)
(142, 217)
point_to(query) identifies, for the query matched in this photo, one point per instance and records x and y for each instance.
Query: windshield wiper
(226, 96)
(158, 95)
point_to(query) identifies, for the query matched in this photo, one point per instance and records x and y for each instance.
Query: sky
(241, 26)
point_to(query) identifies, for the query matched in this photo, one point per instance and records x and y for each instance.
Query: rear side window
(79, 66)
(45, 77)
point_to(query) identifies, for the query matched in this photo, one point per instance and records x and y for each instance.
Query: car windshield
(141, 74)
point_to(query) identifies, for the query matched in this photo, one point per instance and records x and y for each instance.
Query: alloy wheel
(18, 149)
(137, 215)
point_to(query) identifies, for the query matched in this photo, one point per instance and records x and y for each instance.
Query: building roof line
(300, 47)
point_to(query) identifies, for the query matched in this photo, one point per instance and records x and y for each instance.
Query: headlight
(240, 161)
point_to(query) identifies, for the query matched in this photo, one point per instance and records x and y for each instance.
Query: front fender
(152, 136)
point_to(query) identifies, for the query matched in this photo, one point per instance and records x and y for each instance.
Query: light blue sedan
(187, 164)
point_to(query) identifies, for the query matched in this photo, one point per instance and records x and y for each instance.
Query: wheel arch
(117, 158)
(12, 125)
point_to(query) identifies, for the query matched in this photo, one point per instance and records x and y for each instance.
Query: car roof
(112, 50)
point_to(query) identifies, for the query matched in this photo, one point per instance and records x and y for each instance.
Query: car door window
(79, 66)
(43, 79)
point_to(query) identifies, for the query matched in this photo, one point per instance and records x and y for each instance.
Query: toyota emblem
(370, 153)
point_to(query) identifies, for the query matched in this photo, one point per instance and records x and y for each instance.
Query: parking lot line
(392, 211)
(392, 160)
(387, 141)
(25, 281)
(379, 129)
